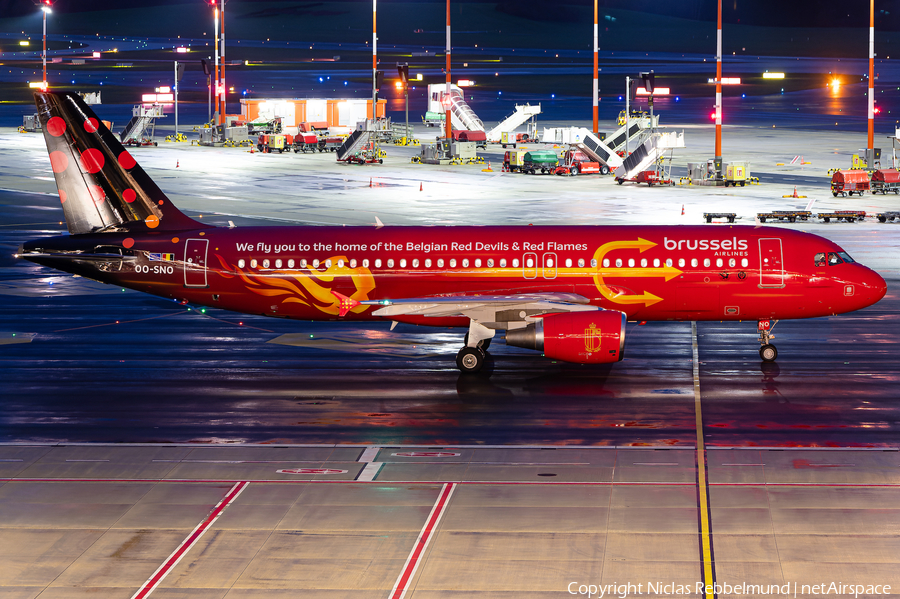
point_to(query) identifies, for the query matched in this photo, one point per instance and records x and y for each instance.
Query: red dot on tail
(128, 242)
(129, 195)
(97, 193)
(62, 196)
(126, 160)
(91, 125)
(56, 126)
(58, 161)
(92, 160)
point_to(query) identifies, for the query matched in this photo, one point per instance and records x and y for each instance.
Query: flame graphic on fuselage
(302, 285)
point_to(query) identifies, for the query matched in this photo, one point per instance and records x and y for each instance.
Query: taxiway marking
(702, 483)
(189, 542)
(421, 544)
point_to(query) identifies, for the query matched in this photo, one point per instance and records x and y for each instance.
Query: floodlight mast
(374, 63)
(222, 9)
(46, 9)
(448, 126)
(596, 68)
(718, 156)
(216, 46)
(871, 146)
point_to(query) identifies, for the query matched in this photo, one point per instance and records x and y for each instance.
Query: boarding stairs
(591, 145)
(648, 153)
(521, 116)
(637, 127)
(355, 143)
(461, 114)
(141, 127)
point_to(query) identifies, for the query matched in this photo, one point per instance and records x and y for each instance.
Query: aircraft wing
(493, 311)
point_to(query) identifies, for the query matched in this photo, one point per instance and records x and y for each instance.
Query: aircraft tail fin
(101, 186)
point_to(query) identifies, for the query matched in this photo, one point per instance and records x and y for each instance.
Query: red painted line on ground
(412, 562)
(189, 542)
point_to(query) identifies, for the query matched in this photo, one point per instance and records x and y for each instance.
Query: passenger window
(668, 262)
(278, 263)
(440, 263)
(478, 262)
(593, 263)
(681, 263)
(365, 263)
(340, 264)
(302, 262)
(656, 263)
(316, 263)
(846, 257)
(568, 263)
(253, 263)
(833, 259)
(530, 263)
(452, 262)
(502, 262)
(328, 263)
(390, 263)
(706, 262)
(618, 263)
(415, 263)
(694, 262)
(631, 263)
(427, 262)
(819, 259)
(353, 263)
(402, 262)
(606, 263)
(266, 263)
(515, 263)
(744, 262)
(490, 262)
(465, 262)
(581, 263)
(643, 263)
(291, 263)
(378, 263)
(241, 263)
(719, 263)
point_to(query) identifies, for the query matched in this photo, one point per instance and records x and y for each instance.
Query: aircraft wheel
(767, 352)
(470, 360)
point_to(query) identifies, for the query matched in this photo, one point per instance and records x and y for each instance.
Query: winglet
(345, 304)
(378, 223)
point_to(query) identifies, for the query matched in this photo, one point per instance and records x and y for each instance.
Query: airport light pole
(216, 47)
(45, 8)
(718, 156)
(448, 127)
(374, 62)
(870, 158)
(222, 74)
(596, 68)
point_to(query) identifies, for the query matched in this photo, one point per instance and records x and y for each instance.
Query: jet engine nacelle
(596, 337)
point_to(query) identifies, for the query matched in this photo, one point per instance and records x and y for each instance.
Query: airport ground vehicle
(306, 142)
(566, 291)
(737, 173)
(544, 161)
(850, 216)
(885, 180)
(849, 182)
(268, 142)
(576, 162)
(784, 215)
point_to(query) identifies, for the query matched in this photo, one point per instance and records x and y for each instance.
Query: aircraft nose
(872, 286)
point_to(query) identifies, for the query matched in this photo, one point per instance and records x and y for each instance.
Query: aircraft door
(195, 262)
(771, 263)
(549, 265)
(529, 265)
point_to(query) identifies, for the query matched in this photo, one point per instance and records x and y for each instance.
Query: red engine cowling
(596, 337)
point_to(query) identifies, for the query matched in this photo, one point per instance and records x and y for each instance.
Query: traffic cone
(370, 181)
(177, 164)
(795, 192)
(420, 186)
(682, 210)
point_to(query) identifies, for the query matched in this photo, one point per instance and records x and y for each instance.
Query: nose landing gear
(767, 351)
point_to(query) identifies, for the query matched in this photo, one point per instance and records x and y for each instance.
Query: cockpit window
(820, 259)
(846, 257)
(833, 259)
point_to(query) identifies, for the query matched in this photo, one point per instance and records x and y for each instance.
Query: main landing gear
(472, 356)
(767, 351)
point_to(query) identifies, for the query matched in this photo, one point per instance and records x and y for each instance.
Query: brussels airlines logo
(733, 244)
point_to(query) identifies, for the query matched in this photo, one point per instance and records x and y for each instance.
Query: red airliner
(565, 291)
